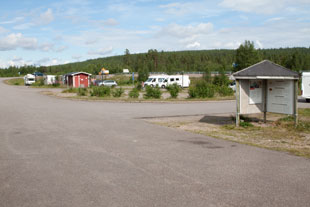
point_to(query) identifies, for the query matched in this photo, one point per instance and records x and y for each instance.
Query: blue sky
(56, 32)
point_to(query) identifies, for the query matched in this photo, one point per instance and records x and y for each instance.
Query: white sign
(256, 91)
(280, 96)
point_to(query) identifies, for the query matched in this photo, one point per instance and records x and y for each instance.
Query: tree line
(297, 59)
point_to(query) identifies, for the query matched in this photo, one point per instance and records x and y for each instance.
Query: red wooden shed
(78, 79)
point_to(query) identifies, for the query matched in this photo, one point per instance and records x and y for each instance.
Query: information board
(256, 92)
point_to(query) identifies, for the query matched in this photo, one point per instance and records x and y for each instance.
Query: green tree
(143, 73)
(246, 55)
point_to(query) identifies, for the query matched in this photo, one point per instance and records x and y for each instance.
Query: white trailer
(29, 79)
(49, 79)
(163, 81)
(305, 85)
(181, 80)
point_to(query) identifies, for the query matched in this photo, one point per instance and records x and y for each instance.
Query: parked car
(233, 85)
(107, 83)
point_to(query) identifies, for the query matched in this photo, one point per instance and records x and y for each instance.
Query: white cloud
(14, 41)
(186, 31)
(3, 30)
(259, 44)
(13, 21)
(61, 48)
(264, 6)
(110, 22)
(194, 45)
(46, 47)
(76, 57)
(102, 51)
(46, 17)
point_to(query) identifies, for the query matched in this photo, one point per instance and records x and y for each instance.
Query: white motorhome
(29, 79)
(49, 79)
(156, 81)
(305, 85)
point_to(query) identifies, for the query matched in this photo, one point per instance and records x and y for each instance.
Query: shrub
(100, 91)
(139, 86)
(39, 82)
(202, 89)
(134, 93)
(82, 92)
(118, 92)
(70, 90)
(224, 91)
(152, 92)
(245, 124)
(173, 90)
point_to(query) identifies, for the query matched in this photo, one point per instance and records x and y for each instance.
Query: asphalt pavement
(59, 152)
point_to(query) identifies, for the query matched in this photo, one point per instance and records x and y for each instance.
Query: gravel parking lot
(59, 152)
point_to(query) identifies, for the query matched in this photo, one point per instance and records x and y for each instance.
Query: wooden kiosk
(266, 87)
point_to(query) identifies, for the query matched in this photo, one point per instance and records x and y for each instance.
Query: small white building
(49, 79)
(266, 87)
(126, 71)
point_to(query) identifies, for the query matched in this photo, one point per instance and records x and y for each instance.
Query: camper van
(29, 79)
(305, 85)
(163, 81)
(156, 81)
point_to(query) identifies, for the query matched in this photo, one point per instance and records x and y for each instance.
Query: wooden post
(295, 102)
(237, 102)
(265, 100)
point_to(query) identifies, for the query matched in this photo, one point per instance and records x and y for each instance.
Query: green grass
(15, 81)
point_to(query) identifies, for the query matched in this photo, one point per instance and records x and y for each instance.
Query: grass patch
(15, 81)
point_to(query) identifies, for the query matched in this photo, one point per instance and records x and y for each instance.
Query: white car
(233, 86)
(107, 83)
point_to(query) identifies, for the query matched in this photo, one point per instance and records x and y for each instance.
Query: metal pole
(238, 102)
(265, 100)
(295, 102)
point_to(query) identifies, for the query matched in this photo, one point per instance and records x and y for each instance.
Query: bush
(39, 82)
(202, 89)
(82, 92)
(101, 91)
(173, 90)
(70, 90)
(118, 92)
(152, 92)
(139, 86)
(245, 124)
(224, 91)
(134, 93)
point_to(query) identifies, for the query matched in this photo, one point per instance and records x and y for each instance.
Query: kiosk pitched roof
(265, 69)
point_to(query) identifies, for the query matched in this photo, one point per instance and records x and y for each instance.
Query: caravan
(305, 85)
(181, 80)
(29, 79)
(163, 81)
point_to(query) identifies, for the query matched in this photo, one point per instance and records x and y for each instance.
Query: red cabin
(78, 79)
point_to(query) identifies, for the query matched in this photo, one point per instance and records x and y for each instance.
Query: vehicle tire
(308, 100)
(152, 85)
(163, 86)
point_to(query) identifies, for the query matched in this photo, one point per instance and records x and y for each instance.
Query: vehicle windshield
(149, 80)
(161, 79)
(30, 79)
(108, 81)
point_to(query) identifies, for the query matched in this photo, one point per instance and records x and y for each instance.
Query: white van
(305, 86)
(29, 79)
(156, 81)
